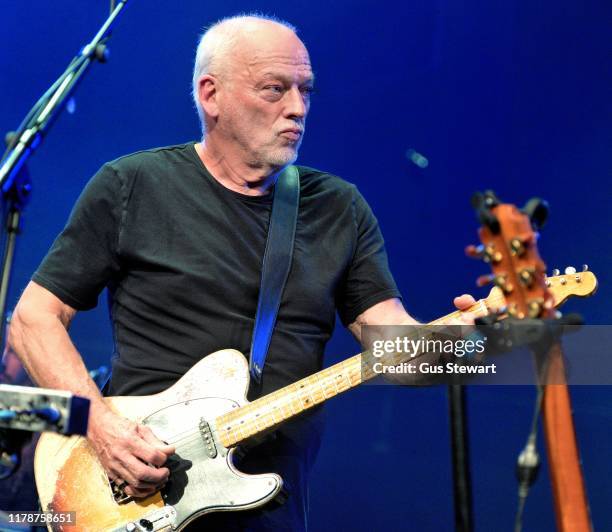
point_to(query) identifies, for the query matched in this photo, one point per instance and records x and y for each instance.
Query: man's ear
(207, 95)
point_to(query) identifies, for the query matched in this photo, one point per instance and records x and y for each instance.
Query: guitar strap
(276, 265)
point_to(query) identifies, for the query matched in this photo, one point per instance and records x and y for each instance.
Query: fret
(293, 412)
(240, 429)
(340, 382)
(309, 391)
(303, 400)
(225, 432)
(321, 385)
(317, 390)
(296, 398)
(335, 384)
(355, 373)
(254, 421)
(275, 411)
(345, 373)
(283, 407)
(230, 436)
(327, 387)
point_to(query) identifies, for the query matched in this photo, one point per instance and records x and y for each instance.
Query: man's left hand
(464, 302)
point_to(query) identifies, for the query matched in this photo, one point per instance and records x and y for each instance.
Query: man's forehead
(292, 74)
(261, 64)
(272, 45)
(269, 59)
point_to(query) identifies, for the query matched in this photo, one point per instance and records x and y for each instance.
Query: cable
(528, 462)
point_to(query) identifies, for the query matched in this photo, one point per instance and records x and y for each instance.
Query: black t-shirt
(181, 256)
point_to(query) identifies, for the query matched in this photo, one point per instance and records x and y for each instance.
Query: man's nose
(297, 103)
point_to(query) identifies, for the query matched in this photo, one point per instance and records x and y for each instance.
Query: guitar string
(241, 428)
(327, 386)
(328, 383)
(190, 434)
(246, 427)
(186, 435)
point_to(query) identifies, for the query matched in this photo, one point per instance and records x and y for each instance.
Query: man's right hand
(129, 452)
(39, 336)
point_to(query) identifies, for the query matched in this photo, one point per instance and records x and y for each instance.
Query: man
(178, 233)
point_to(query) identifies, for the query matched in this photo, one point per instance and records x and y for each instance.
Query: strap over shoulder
(276, 265)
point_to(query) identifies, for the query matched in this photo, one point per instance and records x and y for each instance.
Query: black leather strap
(276, 265)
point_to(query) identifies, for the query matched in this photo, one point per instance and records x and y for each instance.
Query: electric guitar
(206, 416)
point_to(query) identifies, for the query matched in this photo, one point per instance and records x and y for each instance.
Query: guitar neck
(281, 405)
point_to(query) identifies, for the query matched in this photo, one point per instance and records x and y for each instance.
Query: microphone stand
(15, 184)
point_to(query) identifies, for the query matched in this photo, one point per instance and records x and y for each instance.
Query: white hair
(216, 44)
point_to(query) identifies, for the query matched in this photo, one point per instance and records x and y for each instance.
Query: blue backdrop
(512, 96)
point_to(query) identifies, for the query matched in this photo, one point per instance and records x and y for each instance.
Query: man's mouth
(292, 133)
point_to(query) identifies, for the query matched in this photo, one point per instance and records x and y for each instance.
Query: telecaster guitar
(206, 415)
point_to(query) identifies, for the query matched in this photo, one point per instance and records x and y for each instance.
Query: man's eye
(277, 89)
(307, 91)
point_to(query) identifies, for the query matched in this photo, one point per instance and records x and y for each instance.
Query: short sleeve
(84, 257)
(368, 280)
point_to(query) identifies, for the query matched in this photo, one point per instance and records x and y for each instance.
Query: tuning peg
(585, 267)
(497, 280)
(486, 253)
(514, 312)
(535, 307)
(527, 275)
(555, 272)
(570, 270)
(501, 281)
(484, 280)
(517, 246)
(492, 256)
(474, 252)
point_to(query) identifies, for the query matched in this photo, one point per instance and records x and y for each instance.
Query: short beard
(281, 157)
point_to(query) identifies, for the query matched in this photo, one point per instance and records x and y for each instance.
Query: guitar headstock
(579, 284)
(572, 283)
(509, 244)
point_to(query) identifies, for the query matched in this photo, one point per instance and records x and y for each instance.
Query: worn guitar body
(70, 478)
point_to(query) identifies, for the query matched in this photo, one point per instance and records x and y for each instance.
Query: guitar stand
(502, 336)
(541, 336)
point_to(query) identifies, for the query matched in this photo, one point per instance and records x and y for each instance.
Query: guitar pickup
(207, 436)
